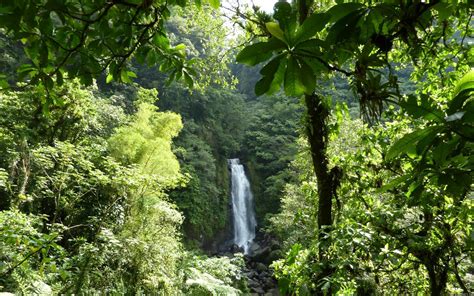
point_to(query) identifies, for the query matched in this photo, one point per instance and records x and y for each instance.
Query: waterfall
(242, 207)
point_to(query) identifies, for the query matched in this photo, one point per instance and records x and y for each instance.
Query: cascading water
(242, 207)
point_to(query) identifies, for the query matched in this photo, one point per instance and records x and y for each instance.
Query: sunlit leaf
(275, 30)
(273, 75)
(466, 82)
(312, 25)
(259, 52)
(408, 142)
(341, 10)
(109, 78)
(293, 79)
(214, 3)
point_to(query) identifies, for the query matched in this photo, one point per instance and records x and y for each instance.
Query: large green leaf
(263, 85)
(345, 28)
(424, 143)
(315, 65)
(458, 101)
(161, 40)
(312, 44)
(313, 49)
(394, 183)
(278, 78)
(285, 16)
(409, 141)
(341, 10)
(424, 108)
(293, 79)
(307, 77)
(466, 82)
(259, 52)
(273, 74)
(312, 25)
(443, 150)
(275, 30)
(445, 10)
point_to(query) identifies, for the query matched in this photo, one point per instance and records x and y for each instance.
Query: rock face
(236, 249)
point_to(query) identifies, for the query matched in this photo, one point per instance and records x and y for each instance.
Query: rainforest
(236, 147)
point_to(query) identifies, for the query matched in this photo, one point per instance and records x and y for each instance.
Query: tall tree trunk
(317, 133)
(316, 130)
(328, 181)
(438, 278)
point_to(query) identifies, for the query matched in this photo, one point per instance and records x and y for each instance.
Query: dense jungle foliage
(354, 119)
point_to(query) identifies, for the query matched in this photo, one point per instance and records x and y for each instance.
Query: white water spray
(242, 207)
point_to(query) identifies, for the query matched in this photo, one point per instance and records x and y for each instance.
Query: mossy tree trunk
(327, 181)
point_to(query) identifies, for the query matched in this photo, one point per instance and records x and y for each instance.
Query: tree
(307, 42)
(84, 38)
(392, 212)
(84, 207)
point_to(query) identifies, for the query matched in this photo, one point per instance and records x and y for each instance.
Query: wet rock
(236, 249)
(261, 267)
(254, 247)
(262, 255)
(269, 283)
(272, 292)
(253, 284)
(259, 275)
(252, 274)
(275, 245)
(258, 290)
